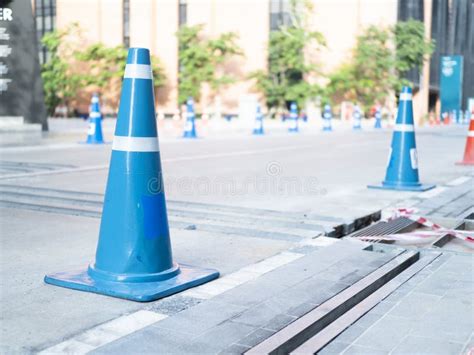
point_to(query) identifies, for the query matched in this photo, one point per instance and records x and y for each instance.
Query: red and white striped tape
(436, 229)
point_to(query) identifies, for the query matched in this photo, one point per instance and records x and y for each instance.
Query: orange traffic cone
(469, 151)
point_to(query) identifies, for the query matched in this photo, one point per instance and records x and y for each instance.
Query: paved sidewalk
(433, 313)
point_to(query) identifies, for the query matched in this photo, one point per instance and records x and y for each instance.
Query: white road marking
(432, 193)
(460, 180)
(234, 154)
(171, 160)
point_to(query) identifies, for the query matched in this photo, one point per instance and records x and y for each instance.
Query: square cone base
(189, 276)
(467, 163)
(421, 187)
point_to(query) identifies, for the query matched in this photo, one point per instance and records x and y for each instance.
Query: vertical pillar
(421, 101)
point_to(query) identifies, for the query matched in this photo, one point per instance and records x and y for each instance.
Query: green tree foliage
(59, 81)
(200, 60)
(72, 68)
(380, 59)
(289, 64)
(411, 47)
(107, 64)
(370, 75)
(288, 68)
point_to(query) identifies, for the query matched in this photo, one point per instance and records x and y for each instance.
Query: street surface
(310, 173)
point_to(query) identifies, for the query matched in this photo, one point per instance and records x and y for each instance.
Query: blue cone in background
(327, 117)
(357, 117)
(456, 117)
(258, 129)
(402, 169)
(133, 258)
(293, 119)
(467, 117)
(378, 118)
(190, 125)
(94, 132)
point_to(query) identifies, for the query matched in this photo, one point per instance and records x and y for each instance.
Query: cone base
(94, 142)
(191, 136)
(189, 276)
(327, 129)
(420, 187)
(465, 163)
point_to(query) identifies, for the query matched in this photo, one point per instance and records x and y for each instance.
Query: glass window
(279, 14)
(183, 12)
(126, 23)
(45, 16)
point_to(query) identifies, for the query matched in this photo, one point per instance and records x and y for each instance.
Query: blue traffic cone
(94, 132)
(304, 117)
(455, 117)
(133, 258)
(378, 118)
(258, 129)
(461, 117)
(402, 169)
(327, 116)
(357, 117)
(467, 117)
(293, 119)
(190, 126)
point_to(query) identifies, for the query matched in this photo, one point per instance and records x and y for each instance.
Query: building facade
(154, 23)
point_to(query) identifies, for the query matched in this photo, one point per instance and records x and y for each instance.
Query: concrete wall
(340, 21)
(100, 20)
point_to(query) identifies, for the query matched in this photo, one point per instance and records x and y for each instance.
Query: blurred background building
(153, 24)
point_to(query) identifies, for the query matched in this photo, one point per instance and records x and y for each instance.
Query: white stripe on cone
(400, 127)
(405, 96)
(136, 144)
(137, 71)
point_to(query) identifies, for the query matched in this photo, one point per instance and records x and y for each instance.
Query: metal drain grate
(398, 225)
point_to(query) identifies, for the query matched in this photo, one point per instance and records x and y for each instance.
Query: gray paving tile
(251, 293)
(199, 319)
(234, 349)
(258, 315)
(302, 309)
(334, 347)
(256, 337)
(452, 327)
(427, 345)
(350, 334)
(279, 322)
(383, 307)
(305, 249)
(368, 319)
(363, 350)
(385, 334)
(174, 304)
(220, 337)
(147, 341)
(415, 305)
